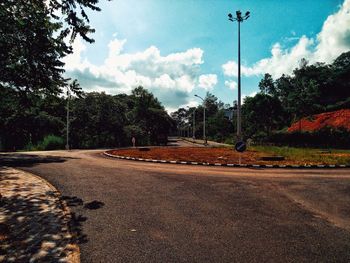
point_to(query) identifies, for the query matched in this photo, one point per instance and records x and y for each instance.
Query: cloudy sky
(180, 48)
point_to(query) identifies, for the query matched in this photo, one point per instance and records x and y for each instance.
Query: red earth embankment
(334, 119)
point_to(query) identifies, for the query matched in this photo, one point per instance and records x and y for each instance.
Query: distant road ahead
(149, 212)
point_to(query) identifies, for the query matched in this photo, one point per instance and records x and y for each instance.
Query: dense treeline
(101, 120)
(33, 41)
(219, 127)
(96, 120)
(309, 90)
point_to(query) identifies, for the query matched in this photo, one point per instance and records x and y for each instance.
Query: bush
(51, 142)
(326, 137)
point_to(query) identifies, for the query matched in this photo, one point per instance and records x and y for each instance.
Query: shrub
(51, 142)
(326, 137)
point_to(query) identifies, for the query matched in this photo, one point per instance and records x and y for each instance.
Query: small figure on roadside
(133, 140)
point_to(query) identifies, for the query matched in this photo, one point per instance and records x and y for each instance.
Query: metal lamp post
(239, 18)
(204, 137)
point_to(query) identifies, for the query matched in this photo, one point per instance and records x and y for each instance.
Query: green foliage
(140, 135)
(96, 120)
(51, 142)
(148, 113)
(310, 90)
(306, 155)
(32, 42)
(262, 114)
(218, 127)
(326, 137)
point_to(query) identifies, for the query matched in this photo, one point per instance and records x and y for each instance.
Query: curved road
(148, 212)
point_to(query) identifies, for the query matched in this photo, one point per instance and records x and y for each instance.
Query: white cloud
(231, 84)
(244, 96)
(334, 37)
(231, 69)
(74, 60)
(333, 40)
(171, 77)
(208, 81)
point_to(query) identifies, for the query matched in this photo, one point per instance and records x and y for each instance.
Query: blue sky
(180, 48)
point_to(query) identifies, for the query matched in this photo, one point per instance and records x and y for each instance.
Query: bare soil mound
(334, 119)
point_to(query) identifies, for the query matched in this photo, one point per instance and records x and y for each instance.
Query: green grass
(307, 155)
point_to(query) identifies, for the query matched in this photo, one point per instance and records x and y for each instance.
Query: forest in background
(96, 120)
(33, 41)
(309, 90)
(35, 37)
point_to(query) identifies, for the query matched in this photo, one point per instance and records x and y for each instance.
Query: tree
(97, 121)
(340, 88)
(262, 113)
(33, 42)
(150, 115)
(267, 85)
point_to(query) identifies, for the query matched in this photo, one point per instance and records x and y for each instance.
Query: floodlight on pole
(239, 18)
(204, 137)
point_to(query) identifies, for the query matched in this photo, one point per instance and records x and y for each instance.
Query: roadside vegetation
(33, 87)
(268, 116)
(306, 155)
(34, 94)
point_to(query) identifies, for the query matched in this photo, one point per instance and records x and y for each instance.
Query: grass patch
(306, 155)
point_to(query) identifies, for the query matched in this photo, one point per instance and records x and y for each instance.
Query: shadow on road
(77, 220)
(33, 226)
(28, 160)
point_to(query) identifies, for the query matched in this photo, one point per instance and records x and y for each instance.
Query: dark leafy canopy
(101, 120)
(149, 114)
(33, 41)
(309, 90)
(312, 88)
(265, 112)
(97, 120)
(218, 127)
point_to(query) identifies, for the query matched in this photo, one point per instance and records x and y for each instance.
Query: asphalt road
(147, 212)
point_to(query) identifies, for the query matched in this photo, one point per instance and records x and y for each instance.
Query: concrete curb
(330, 166)
(73, 257)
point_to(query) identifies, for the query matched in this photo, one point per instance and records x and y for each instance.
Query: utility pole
(239, 18)
(67, 127)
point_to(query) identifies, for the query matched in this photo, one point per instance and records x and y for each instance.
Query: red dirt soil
(206, 155)
(334, 119)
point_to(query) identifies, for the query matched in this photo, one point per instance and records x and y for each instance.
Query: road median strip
(229, 164)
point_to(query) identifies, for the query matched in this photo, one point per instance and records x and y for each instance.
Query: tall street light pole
(204, 137)
(239, 18)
